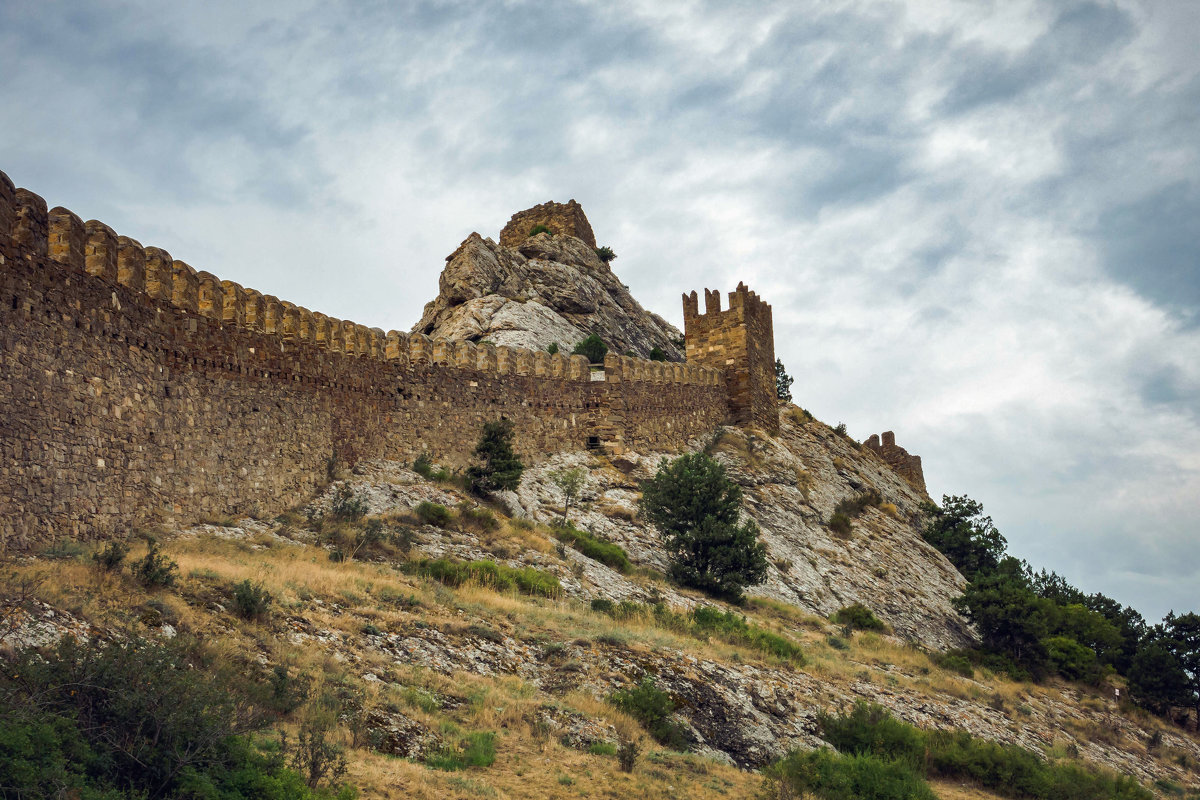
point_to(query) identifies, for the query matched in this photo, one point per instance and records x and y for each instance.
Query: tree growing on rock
(498, 467)
(570, 482)
(593, 347)
(696, 507)
(960, 531)
(783, 382)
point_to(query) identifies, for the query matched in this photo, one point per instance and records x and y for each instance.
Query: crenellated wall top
(95, 249)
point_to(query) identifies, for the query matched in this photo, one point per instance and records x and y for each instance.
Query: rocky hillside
(550, 287)
(426, 661)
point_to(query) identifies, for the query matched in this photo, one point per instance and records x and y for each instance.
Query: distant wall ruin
(905, 465)
(560, 218)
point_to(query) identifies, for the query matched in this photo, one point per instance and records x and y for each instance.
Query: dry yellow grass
(528, 763)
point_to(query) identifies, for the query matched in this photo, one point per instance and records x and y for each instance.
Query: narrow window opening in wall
(166, 391)
(14, 302)
(593, 443)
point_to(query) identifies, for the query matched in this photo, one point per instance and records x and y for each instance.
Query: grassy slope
(321, 608)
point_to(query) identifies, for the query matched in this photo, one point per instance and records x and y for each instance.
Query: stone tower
(740, 341)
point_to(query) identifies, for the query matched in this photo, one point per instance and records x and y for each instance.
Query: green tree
(960, 531)
(783, 382)
(1181, 635)
(1010, 617)
(1156, 679)
(499, 467)
(569, 482)
(605, 254)
(696, 507)
(593, 347)
(657, 354)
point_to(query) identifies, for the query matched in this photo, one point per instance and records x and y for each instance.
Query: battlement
(140, 391)
(905, 465)
(739, 341)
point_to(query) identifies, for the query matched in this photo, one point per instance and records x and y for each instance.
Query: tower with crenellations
(740, 341)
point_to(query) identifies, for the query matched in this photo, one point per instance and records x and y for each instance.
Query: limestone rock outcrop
(530, 291)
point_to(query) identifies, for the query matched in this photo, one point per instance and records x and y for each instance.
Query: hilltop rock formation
(530, 291)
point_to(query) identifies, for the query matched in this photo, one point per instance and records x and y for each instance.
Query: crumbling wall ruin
(905, 465)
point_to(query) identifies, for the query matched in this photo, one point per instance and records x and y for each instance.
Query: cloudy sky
(978, 223)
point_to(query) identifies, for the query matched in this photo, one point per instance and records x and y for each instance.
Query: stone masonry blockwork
(139, 392)
(739, 341)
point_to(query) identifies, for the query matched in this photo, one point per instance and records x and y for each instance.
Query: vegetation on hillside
(1034, 624)
(882, 758)
(696, 508)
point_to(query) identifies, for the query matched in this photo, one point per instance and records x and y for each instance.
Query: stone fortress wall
(138, 391)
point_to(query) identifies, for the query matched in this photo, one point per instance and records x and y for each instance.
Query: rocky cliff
(531, 291)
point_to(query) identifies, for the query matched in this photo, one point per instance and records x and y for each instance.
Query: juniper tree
(696, 508)
(499, 466)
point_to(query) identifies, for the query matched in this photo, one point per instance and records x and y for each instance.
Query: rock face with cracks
(543, 289)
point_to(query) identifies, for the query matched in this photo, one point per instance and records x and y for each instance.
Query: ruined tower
(740, 341)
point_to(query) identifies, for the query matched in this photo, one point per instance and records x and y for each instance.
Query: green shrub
(955, 661)
(347, 506)
(859, 617)
(154, 570)
(594, 548)
(552, 348)
(870, 731)
(111, 557)
(64, 550)
(423, 466)
(652, 707)
(1072, 660)
(734, 629)
(251, 600)
(657, 354)
(839, 523)
(433, 514)
(526, 580)
(834, 776)
(536, 229)
(627, 755)
(854, 506)
(605, 254)
(474, 750)
(132, 718)
(593, 347)
(603, 605)
(478, 518)
(602, 749)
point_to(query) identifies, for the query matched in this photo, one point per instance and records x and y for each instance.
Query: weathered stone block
(68, 238)
(31, 229)
(210, 296)
(184, 286)
(100, 251)
(131, 264)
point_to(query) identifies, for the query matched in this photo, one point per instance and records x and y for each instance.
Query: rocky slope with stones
(549, 288)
